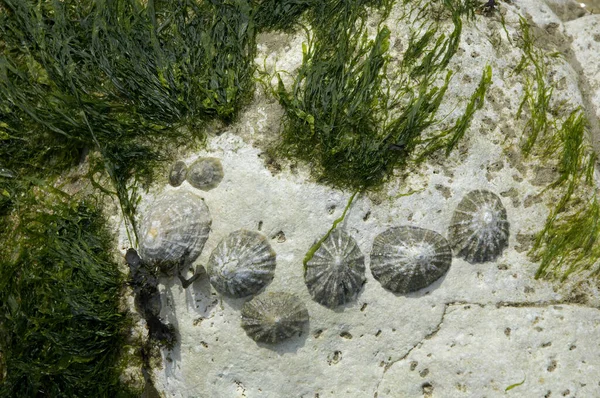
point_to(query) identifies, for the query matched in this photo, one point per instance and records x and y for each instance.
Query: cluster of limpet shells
(204, 174)
(404, 259)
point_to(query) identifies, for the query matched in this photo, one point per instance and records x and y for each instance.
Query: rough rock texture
(586, 47)
(474, 332)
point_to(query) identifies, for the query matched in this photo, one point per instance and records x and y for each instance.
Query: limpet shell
(336, 272)
(175, 228)
(241, 264)
(273, 317)
(178, 173)
(406, 259)
(479, 228)
(205, 173)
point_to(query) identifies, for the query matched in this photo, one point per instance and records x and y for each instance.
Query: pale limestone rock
(481, 350)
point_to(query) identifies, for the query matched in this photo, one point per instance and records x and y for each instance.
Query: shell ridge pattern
(335, 273)
(406, 259)
(479, 230)
(274, 317)
(241, 264)
(177, 224)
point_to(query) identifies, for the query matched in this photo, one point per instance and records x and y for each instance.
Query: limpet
(479, 228)
(177, 173)
(241, 264)
(205, 173)
(174, 230)
(273, 317)
(336, 272)
(406, 259)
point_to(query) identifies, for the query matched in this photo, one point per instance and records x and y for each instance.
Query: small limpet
(336, 272)
(241, 264)
(205, 173)
(174, 230)
(406, 259)
(177, 173)
(479, 228)
(273, 317)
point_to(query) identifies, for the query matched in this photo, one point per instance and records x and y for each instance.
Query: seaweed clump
(568, 242)
(61, 330)
(120, 80)
(354, 119)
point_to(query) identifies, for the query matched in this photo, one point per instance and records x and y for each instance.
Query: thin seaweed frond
(281, 14)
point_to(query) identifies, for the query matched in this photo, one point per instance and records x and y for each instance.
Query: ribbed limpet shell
(406, 259)
(205, 173)
(274, 317)
(175, 228)
(241, 264)
(479, 228)
(178, 173)
(336, 272)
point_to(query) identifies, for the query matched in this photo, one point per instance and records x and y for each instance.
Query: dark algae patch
(120, 79)
(61, 330)
(110, 87)
(352, 116)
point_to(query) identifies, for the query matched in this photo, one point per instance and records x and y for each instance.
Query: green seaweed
(354, 120)
(61, 330)
(311, 252)
(119, 78)
(568, 242)
(515, 385)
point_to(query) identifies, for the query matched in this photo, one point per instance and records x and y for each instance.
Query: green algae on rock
(62, 331)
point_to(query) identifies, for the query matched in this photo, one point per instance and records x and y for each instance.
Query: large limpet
(406, 259)
(479, 228)
(241, 264)
(174, 230)
(205, 173)
(336, 272)
(274, 317)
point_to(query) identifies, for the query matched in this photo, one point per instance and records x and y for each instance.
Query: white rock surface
(480, 350)
(474, 332)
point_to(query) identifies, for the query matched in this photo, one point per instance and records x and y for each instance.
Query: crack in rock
(500, 304)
